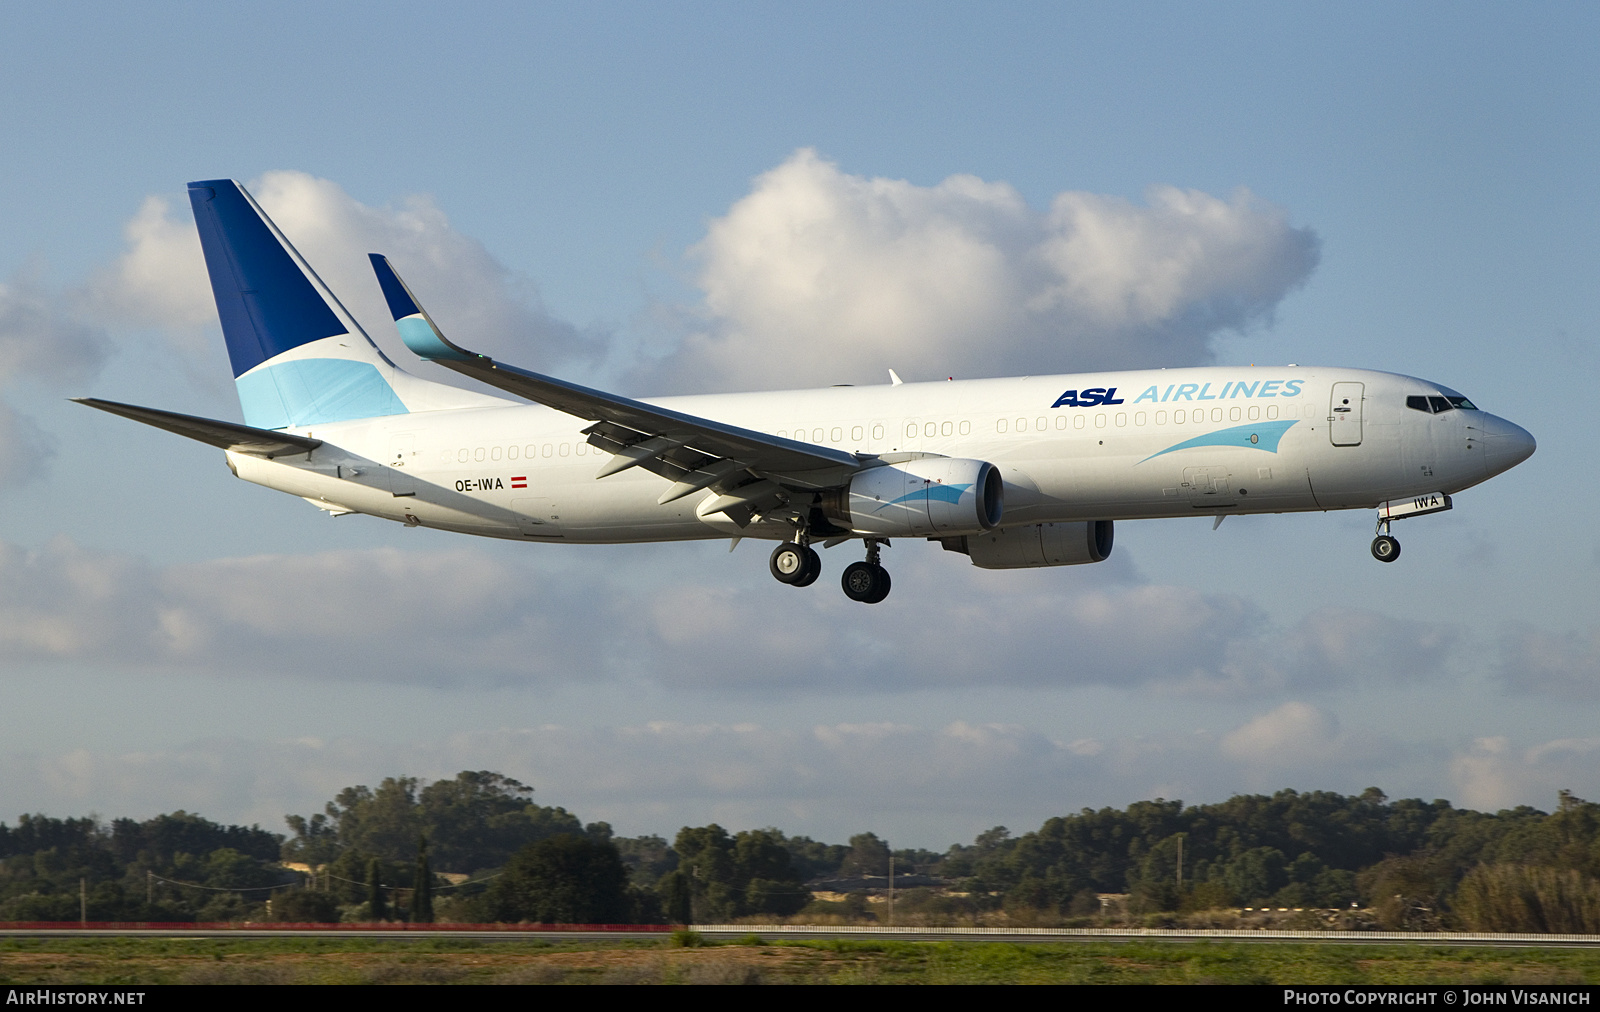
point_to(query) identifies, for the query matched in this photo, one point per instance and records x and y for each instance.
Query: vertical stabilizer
(299, 358)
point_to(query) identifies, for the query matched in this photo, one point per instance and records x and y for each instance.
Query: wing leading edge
(748, 469)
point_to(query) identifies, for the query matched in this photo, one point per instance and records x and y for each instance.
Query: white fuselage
(1162, 443)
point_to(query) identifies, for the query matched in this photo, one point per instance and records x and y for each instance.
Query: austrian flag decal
(519, 481)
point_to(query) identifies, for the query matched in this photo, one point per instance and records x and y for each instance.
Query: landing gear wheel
(1385, 548)
(795, 564)
(865, 582)
(813, 569)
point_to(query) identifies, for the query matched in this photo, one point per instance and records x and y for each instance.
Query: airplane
(1012, 473)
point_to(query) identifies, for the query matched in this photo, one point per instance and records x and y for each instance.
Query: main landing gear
(867, 582)
(797, 564)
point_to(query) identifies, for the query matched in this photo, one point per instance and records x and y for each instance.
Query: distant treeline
(477, 848)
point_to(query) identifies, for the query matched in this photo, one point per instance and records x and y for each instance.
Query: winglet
(894, 379)
(416, 327)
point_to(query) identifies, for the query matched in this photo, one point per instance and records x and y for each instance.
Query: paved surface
(730, 931)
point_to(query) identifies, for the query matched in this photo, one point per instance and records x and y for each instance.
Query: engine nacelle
(927, 496)
(1037, 545)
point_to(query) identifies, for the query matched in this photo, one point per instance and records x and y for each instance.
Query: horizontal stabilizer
(227, 435)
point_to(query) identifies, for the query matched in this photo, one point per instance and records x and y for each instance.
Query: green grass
(133, 961)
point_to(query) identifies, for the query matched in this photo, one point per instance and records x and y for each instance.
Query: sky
(704, 197)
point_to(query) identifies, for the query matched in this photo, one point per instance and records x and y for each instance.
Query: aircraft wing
(693, 452)
(227, 435)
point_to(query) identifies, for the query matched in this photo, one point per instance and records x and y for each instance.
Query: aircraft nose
(1507, 445)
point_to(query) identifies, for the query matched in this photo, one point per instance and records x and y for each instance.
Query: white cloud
(549, 615)
(160, 279)
(1293, 734)
(1565, 665)
(41, 340)
(1493, 774)
(820, 276)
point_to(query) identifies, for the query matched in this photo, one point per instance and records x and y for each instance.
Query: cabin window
(1099, 419)
(1255, 412)
(511, 453)
(947, 428)
(1061, 421)
(549, 450)
(877, 432)
(1078, 421)
(855, 434)
(1216, 414)
(1235, 413)
(566, 448)
(965, 428)
(1161, 418)
(1000, 426)
(1139, 418)
(530, 451)
(461, 455)
(494, 453)
(477, 454)
(1272, 411)
(837, 435)
(930, 429)
(816, 435)
(1178, 416)
(911, 430)
(1042, 424)
(1122, 419)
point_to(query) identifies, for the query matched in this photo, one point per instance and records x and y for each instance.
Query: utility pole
(891, 888)
(1180, 863)
(83, 902)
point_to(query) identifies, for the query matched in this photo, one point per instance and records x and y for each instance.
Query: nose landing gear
(1385, 548)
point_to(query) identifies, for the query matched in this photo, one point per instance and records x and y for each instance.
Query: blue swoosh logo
(933, 493)
(1255, 436)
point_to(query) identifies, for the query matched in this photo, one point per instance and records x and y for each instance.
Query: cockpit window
(1439, 403)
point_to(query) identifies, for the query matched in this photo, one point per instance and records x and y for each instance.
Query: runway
(776, 932)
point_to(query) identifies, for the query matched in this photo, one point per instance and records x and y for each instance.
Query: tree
(870, 855)
(476, 820)
(376, 903)
(566, 879)
(422, 894)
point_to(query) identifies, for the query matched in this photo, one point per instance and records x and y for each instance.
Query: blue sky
(577, 174)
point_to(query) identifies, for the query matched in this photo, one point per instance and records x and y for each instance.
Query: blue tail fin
(298, 357)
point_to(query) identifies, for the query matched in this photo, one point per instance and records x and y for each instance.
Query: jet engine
(928, 496)
(1036, 545)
